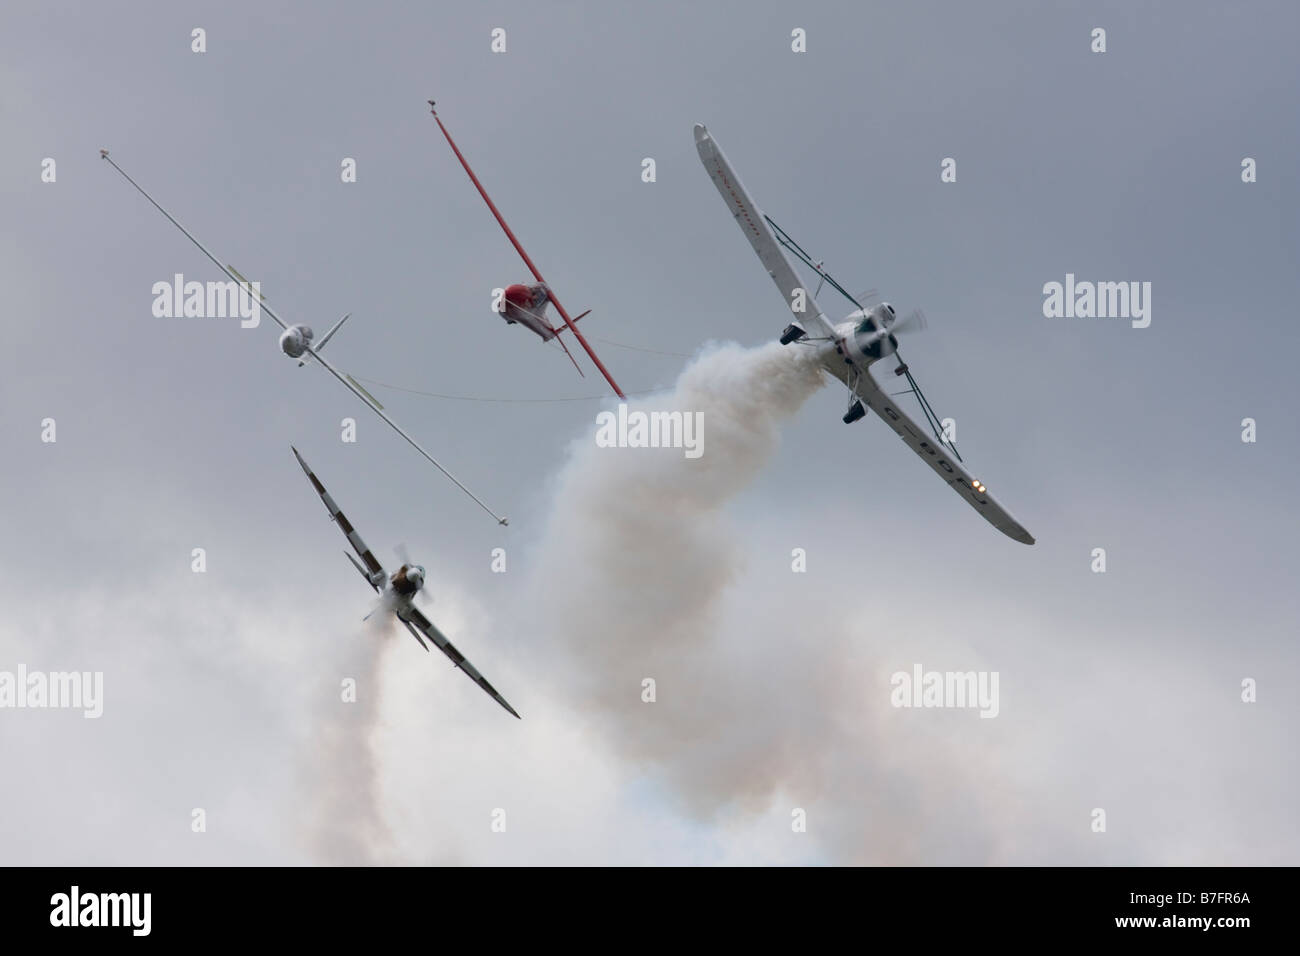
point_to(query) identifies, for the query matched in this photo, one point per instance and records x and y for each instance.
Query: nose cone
(291, 343)
(701, 134)
(416, 576)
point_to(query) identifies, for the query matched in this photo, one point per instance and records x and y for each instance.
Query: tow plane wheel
(901, 370)
(854, 413)
(792, 333)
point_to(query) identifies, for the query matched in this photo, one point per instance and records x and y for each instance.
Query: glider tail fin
(326, 337)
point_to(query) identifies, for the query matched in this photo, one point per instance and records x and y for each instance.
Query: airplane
(525, 304)
(296, 341)
(398, 592)
(850, 349)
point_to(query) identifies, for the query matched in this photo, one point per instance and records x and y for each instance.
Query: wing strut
(931, 418)
(527, 261)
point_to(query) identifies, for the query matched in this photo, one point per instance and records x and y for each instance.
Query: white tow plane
(296, 342)
(398, 592)
(849, 350)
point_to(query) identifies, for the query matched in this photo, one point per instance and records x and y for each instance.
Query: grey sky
(1120, 690)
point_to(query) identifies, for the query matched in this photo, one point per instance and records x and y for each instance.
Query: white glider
(296, 342)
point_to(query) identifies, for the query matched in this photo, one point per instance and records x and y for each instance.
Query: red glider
(526, 304)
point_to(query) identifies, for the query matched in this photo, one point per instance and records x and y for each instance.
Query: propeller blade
(914, 321)
(405, 557)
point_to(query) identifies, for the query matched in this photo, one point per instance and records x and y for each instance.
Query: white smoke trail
(343, 822)
(646, 530)
(746, 707)
(756, 698)
(646, 523)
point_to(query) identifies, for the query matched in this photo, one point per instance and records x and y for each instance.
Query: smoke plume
(344, 823)
(753, 698)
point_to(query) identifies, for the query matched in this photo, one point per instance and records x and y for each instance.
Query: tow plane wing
(755, 226)
(938, 456)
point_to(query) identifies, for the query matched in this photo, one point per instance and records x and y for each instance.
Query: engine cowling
(295, 339)
(408, 579)
(871, 337)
